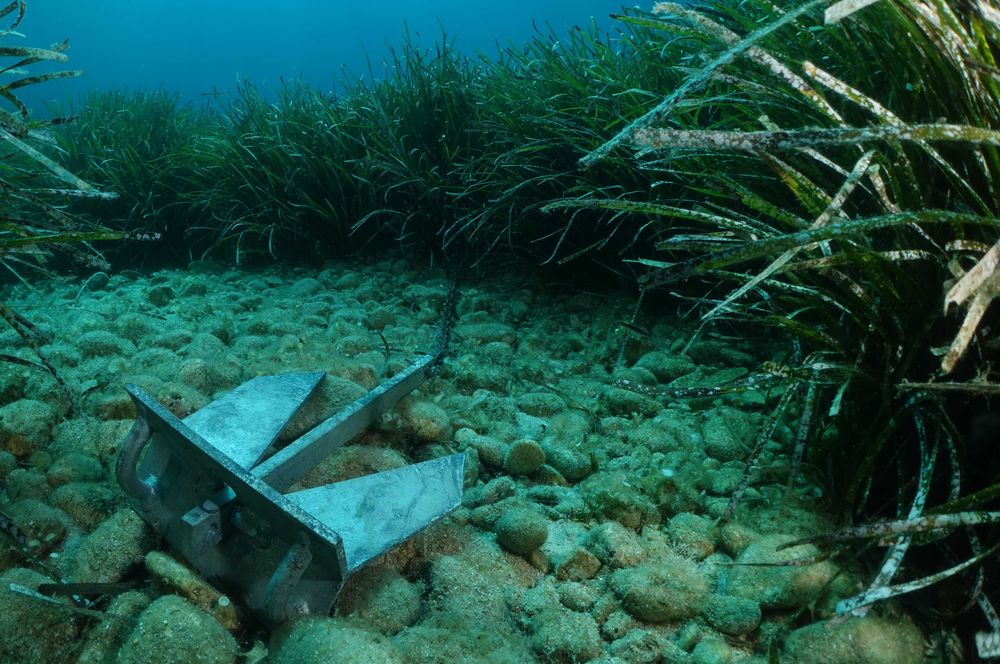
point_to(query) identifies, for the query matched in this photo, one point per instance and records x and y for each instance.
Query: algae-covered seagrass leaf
(872, 595)
(989, 12)
(52, 166)
(761, 57)
(879, 530)
(646, 207)
(841, 10)
(982, 285)
(698, 80)
(832, 211)
(15, 5)
(58, 238)
(651, 139)
(845, 229)
(41, 78)
(35, 54)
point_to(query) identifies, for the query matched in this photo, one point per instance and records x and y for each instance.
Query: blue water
(197, 46)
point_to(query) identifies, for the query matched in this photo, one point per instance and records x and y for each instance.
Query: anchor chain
(446, 323)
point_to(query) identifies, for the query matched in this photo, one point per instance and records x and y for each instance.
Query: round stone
(524, 457)
(521, 530)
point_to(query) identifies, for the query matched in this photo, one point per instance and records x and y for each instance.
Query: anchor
(207, 485)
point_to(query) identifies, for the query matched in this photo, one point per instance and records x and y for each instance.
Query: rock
(160, 296)
(523, 457)
(186, 583)
(691, 535)
(627, 403)
(712, 651)
(426, 421)
(484, 333)
(638, 646)
(24, 483)
(25, 426)
(576, 564)
(103, 642)
(490, 450)
(576, 596)
(615, 545)
(573, 464)
(719, 440)
(781, 587)
(98, 343)
(45, 526)
(664, 366)
(669, 589)
(116, 545)
(540, 404)
(87, 503)
(383, 599)
(205, 266)
(96, 282)
(7, 463)
(304, 288)
(616, 496)
(34, 632)
(868, 640)
(521, 530)
(314, 639)
(75, 467)
(566, 636)
(171, 630)
(733, 615)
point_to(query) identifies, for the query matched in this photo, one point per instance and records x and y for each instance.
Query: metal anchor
(201, 483)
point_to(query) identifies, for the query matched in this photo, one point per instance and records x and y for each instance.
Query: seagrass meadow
(723, 362)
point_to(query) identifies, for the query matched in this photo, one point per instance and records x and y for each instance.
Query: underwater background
(193, 47)
(688, 307)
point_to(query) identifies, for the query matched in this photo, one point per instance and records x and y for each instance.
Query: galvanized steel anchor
(205, 484)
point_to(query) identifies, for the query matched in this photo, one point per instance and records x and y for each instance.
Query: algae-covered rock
(30, 630)
(99, 343)
(75, 467)
(26, 426)
(720, 440)
(115, 546)
(712, 651)
(615, 545)
(178, 578)
(868, 640)
(691, 535)
(44, 525)
(523, 457)
(616, 496)
(88, 503)
(26, 484)
(521, 530)
(426, 421)
(171, 630)
(382, 598)
(778, 587)
(626, 403)
(668, 589)
(565, 636)
(160, 296)
(664, 366)
(314, 639)
(102, 643)
(733, 615)
(575, 564)
(638, 646)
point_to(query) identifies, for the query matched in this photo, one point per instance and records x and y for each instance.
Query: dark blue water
(197, 46)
